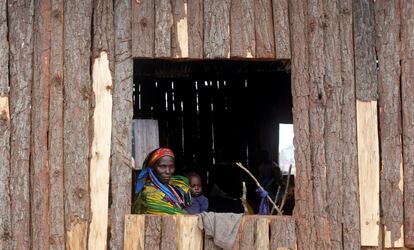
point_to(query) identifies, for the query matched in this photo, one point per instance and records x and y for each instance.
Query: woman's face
(164, 168)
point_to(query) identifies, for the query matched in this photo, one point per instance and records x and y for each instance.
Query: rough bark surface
(281, 28)
(217, 28)
(300, 93)
(103, 30)
(121, 124)
(282, 233)
(365, 57)
(40, 121)
(143, 25)
(179, 30)
(317, 105)
(243, 42)
(387, 17)
(56, 192)
(246, 231)
(350, 209)
(77, 98)
(407, 91)
(20, 17)
(169, 233)
(5, 204)
(195, 28)
(333, 123)
(264, 31)
(163, 23)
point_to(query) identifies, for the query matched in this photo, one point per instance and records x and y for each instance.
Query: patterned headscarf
(158, 154)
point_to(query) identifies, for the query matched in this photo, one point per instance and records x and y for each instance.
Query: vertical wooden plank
(350, 209)
(56, 195)
(195, 28)
(77, 96)
(147, 138)
(368, 164)
(333, 131)
(243, 42)
(364, 44)
(261, 240)
(122, 111)
(169, 233)
(152, 236)
(101, 152)
(143, 26)
(300, 94)
(318, 101)
(20, 23)
(263, 27)
(39, 169)
(216, 29)
(5, 192)
(103, 30)
(387, 17)
(134, 232)
(190, 237)
(407, 94)
(179, 31)
(281, 28)
(246, 231)
(163, 23)
(282, 233)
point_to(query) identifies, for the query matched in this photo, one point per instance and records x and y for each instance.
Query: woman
(158, 190)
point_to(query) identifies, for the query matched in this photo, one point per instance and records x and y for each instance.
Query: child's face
(196, 186)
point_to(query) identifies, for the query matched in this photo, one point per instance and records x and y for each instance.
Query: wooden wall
(352, 85)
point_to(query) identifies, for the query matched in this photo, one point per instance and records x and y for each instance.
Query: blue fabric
(199, 204)
(264, 203)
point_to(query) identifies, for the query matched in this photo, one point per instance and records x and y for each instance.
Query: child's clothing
(199, 204)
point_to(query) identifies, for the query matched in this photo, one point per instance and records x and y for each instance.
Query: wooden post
(77, 96)
(243, 42)
(121, 123)
(195, 28)
(169, 232)
(143, 25)
(282, 233)
(281, 28)
(146, 139)
(5, 192)
(56, 193)
(300, 94)
(246, 231)
(351, 232)
(217, 29)
(179, 31)
(407, 94)
(387, 17)
(152, 236)
(263, 27)
(261, 239)
(134, 232)
(20, 24)
(40, 122)
(368, 164)
(190, 237)
(101, 152)
(163, 23)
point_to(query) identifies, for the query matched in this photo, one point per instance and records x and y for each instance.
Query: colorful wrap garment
(154, 197)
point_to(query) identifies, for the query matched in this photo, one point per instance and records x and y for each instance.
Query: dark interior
(215, 113)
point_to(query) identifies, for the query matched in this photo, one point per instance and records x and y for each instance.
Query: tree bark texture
(122, 111)
(350, 200)
(242, 31)
(282, 233)
(407, 95)
(169, 228)
(143, 25)
(163, 23)
(300, 93)
(40, 120)
(365, 58)
(281, 28)
(195, 28)
(179, 29)
(217, 28)
(152, 232)
(20, 18)
(264, 31)
(5, 192)
(103, 30)
(77, 100)
(55, 139)
(387, 17)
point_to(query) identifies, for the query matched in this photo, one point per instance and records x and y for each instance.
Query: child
(199, 201)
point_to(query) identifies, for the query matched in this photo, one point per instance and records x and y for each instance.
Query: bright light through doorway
(286, 148)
